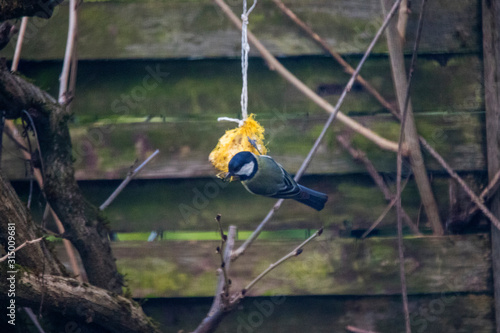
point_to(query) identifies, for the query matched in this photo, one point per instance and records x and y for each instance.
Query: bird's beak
(229, 177)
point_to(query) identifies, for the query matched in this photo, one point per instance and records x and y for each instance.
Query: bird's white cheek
(246, 170)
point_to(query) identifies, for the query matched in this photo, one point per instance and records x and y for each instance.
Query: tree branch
(220, 306)
(84, 225)
(348, 68)
(81, 303)
(127, 180)
(360, 156)
(218, 312)
(295, 252)
(69, 56)
(21, 246)
(401, 86)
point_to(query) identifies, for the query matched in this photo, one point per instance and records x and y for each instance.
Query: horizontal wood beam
(187, 29)
(338, 266)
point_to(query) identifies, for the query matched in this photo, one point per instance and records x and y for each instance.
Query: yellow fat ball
(236, 140)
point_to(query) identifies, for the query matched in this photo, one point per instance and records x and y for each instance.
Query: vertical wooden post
(491, 58)
(394, 43)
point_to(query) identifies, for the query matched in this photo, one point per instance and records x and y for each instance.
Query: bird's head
(243, 165)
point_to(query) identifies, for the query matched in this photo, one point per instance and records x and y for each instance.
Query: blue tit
(261, 175)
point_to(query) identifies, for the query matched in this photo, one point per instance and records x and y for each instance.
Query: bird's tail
(311, 198)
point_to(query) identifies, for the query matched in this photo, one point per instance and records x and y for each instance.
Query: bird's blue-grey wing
(288, 188)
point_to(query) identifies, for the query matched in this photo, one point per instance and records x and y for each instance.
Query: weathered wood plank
(191, 204)
(187, 29)
(106, 152)
(438, 313)
(180, 89)
(337, 266)
(126, 110)
(491, 51)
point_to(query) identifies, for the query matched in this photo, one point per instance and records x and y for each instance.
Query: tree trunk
(36, 275)
(85, 226)
(13, 214)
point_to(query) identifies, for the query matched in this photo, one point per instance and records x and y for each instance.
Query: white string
(245, 48)
(234, 120)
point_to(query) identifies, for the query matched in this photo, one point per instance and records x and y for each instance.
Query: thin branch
(221, 304)
(348, 68)
(295, 252)
(218, 309)
(70, 48)
(402, 86)
(402, 274)
(335, 111)
(20, 247)
(361, 157)
(19, 44)
(454, 175)
(485, 196)
(492, 187)
(124, 183)
(223, 282)
(386, 211)
(34, 319)
(224, 264)
(357, 330)
(403, 19)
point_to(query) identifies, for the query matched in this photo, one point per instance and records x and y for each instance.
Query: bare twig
(460, 181)
(223, 282)
(295, 252)
(34, 319)
(386, 210)
(221, 304)
(357, 330)
(20, 247)
(402, 85)
(492, 187)
(403, 19)
(335, 111)
(361, 157)
(485, 196)
(19, 44)
(224, 263)
(348, 68)
(70, 52)
(404, 129)
(124, 183)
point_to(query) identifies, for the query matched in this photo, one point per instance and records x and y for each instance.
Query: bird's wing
(288, 188)
(272, 180)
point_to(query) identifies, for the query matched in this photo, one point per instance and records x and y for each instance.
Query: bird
(262, 175)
